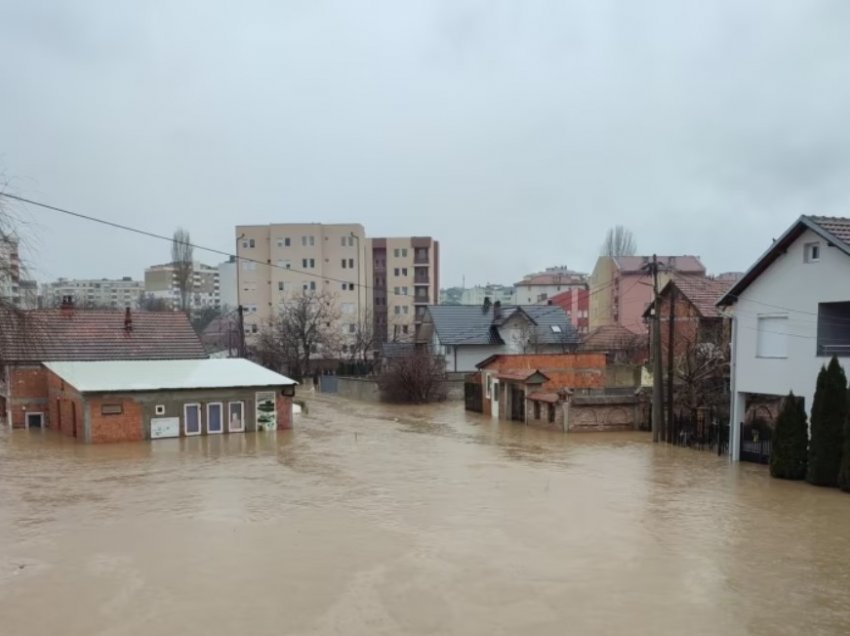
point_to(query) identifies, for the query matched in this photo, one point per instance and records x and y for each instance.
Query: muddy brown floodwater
(384, 520)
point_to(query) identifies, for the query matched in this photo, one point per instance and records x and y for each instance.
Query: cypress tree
(789, 450)
(829, 412)
(844, 472)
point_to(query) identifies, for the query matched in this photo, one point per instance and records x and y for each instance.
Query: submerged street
(374, 519)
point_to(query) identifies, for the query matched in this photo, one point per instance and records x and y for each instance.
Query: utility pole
(671, 334)
(241, 331)
(657, 389)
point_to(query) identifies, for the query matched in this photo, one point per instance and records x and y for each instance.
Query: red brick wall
(27, 388)
(126, 427)
(284, 412)
(66, 407)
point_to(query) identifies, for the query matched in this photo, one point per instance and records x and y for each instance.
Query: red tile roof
(612, 338)
(703, 292)
(521, 375)
(838, 226)
(685, 264)
(57, 335)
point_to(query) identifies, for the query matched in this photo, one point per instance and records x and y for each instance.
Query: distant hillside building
(161, 283)
(90, 293)
(537, 289)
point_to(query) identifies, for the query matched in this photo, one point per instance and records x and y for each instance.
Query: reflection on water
(387, 520)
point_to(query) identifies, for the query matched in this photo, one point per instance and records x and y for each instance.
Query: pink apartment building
(621, 287)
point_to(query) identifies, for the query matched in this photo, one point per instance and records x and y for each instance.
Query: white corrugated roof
(155, 375)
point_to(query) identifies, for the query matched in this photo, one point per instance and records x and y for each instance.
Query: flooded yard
(371, 519)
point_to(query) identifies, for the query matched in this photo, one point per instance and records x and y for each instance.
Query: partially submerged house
(565, 392)
(790, 314)
(466, 335)
(134, 400)
(71, 335)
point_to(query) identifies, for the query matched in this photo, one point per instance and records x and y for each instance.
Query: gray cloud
(515, 133)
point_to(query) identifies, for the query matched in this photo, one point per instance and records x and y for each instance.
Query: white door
(494, 401)
(165, 427)
(214, 418)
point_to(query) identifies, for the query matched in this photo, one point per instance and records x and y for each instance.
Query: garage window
(111, 409)
(192, 419)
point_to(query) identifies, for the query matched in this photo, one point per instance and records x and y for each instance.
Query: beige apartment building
(387, 282)
(161, 283)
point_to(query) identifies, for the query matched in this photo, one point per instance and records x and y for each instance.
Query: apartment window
(308, 240)
(404, 329)
(344, 263)
(283, 286)
(308, 263)
(248, 266)
(405, 309)
(833, 329)
(352, 327)
(351, 263)
(397, 291)
(397, 271)
(772, 336)
(404, 291)
(254, 329)
(347, 308)
(283, 241)
(284, 264)
(347, 241)
(396, 252)
(345, 348)
(811, 253)
(312, 285)
(397, 310)
(252, 309)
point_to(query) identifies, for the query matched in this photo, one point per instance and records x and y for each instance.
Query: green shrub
(829, 412)
(789, 449)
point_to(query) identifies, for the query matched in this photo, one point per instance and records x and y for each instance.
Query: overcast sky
(515, 133)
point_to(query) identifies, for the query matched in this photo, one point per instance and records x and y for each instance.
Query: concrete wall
(366, 389)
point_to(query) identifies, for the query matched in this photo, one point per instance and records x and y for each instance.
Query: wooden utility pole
(671, 335)
(657, 389)
(241, 311)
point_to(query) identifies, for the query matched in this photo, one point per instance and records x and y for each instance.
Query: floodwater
(385, 520)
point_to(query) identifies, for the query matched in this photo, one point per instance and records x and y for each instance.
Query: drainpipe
(734, 415)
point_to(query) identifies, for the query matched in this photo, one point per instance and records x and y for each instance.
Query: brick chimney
(67, 306)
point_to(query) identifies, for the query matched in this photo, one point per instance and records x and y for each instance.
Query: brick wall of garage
(27, 392)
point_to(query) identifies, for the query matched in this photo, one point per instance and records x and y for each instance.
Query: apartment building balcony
(421, 297)
(421, 280)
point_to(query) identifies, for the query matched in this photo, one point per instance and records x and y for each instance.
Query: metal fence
(703, 430)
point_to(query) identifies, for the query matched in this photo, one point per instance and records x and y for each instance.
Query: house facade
(129, 401)
(621, 287)
(466, 335)
(576, 302)
(565, 392)
(73, 335)
(537, 289)
(790, 314)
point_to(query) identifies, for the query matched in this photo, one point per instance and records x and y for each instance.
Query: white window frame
(27, 418)
(159, 409)
(220, 406)
(776, 334)
(186, 419)
(808, 248)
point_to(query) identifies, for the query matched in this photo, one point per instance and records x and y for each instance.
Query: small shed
(134, 400)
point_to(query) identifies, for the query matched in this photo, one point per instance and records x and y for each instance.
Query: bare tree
(363, 342)
(619, 241)
(181, 259)
(307, 325)
(701, 369)
(149, 302)
(415, 378)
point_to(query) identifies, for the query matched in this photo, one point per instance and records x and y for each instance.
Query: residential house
(620, 345)
(697, 333)
(576, 302)
(790, 314)
(466, 335)
(621, 287)
(134, 400)
(566, 391)
(73, 335)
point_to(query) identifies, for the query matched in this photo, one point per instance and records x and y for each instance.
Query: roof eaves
(780, 245)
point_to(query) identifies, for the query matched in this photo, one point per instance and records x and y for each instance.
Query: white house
(791, 313)
(465, 334)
